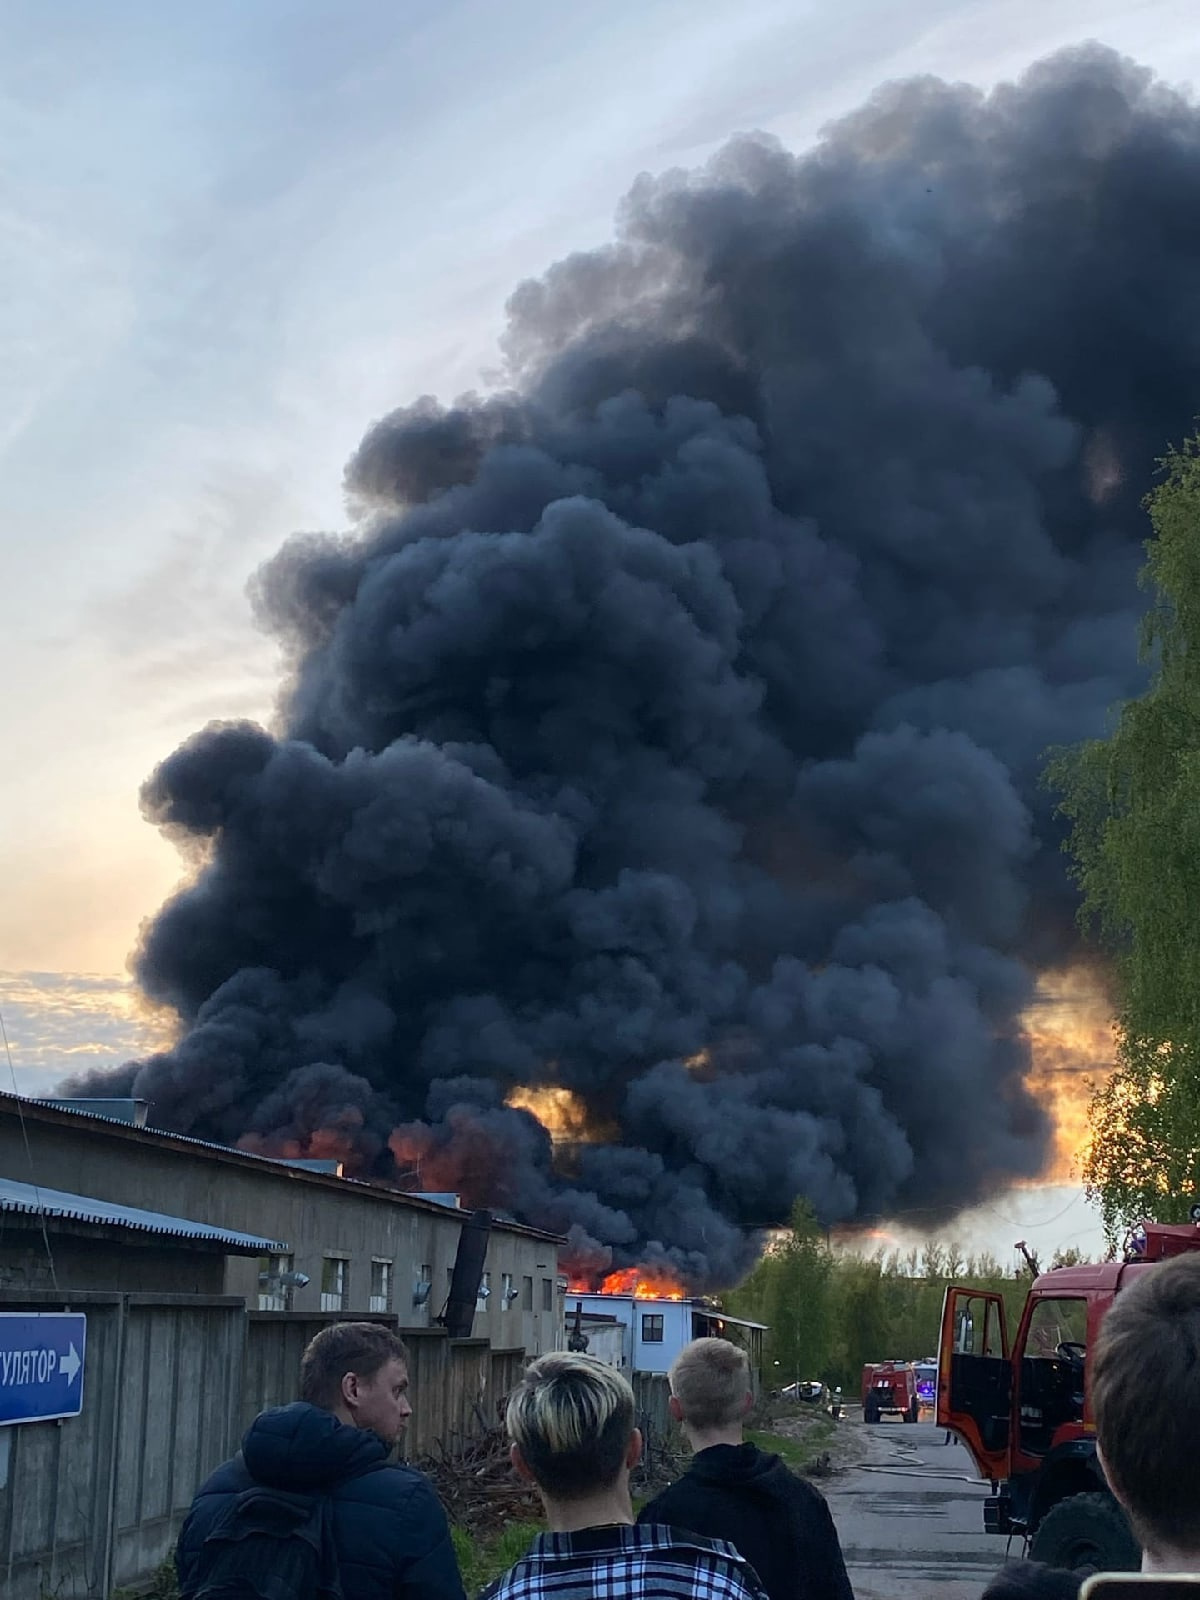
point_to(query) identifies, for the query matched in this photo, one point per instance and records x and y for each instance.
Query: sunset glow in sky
(231, 237)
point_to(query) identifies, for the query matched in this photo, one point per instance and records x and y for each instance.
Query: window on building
(272, 1294)
(381, 1286)
(485, 1290)
(652, 1327)
(507, 1296)
(423, 1284)
(526, 1294)
(335, 1274)
(547, 1294)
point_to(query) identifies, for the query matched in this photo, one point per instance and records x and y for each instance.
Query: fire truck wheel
(1087, 1530)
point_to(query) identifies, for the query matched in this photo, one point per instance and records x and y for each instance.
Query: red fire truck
(1022, 1409)
(890, 1386)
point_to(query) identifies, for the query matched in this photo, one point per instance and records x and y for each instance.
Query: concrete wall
(319, 1218)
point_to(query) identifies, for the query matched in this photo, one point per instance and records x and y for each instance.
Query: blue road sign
(41, 1365)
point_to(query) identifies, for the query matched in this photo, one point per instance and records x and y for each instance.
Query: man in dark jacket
(736, 1492)
(388, 1532)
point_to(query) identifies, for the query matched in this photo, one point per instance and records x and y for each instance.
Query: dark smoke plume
(670, 733)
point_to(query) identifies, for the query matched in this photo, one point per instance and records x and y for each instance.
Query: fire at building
(653, 829)
(642, 1329)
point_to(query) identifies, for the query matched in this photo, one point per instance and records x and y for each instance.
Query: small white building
(645, 1333)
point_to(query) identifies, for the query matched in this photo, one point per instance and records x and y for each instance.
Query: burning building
(652, 831)
(641, 1331)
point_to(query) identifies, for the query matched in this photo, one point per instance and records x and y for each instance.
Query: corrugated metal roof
(397, 1196)
(124, 1110)
(31, 1201)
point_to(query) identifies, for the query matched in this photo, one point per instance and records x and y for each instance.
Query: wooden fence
(651, 1393)
(457, 1385)
(94, 1503)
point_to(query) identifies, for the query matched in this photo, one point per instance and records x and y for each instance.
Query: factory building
(167, 1213)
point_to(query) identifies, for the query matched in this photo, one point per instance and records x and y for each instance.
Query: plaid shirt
(651, 1562)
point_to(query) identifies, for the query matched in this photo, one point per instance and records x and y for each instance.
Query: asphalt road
(910, 1516)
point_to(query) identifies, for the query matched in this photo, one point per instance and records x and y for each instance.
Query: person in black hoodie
(734, 1491)
(387, 1532)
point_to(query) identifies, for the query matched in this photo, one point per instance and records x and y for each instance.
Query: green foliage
(163, 1584)
(885, 1312)
(480, 1560)
(1133, 804)
(830, 1313)
(798, 1453)
(791, 1291)
(1070, 1257)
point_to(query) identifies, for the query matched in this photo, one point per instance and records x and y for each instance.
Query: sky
(231, 237)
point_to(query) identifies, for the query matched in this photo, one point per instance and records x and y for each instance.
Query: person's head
(570, 1420)
(359, 1371)
(1031, 1580)
(1145, 1391)
(710, 1386)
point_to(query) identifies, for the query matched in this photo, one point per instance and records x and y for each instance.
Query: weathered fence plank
(95, 1503)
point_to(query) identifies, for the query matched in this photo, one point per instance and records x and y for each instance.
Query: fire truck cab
(890, 1386)
(1023, 1410)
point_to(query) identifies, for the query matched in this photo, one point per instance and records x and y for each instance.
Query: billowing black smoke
(672, 733)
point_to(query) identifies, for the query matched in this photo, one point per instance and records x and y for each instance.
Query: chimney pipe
(459, 1316)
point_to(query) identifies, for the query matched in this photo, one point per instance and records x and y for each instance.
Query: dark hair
(572, 1418)
(1146, 1401)
(358, 1347)
(1032, 1580)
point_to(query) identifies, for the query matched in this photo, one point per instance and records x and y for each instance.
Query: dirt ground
(824, 1447)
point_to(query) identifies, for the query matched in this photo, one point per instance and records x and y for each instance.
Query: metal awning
(32, 1200)
(723, 1316)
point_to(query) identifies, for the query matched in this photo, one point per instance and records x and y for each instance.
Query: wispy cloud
(67, 1022)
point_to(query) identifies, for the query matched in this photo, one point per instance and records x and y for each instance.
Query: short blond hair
(572, 1419)
(711, 1378)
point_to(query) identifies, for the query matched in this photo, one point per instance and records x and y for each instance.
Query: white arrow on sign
(70, 1364)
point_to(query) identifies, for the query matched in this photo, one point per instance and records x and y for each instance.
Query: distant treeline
(829, 1311)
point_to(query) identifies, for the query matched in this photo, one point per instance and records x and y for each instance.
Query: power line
(881, 1219)
(29, 1154)
(1073, 1201)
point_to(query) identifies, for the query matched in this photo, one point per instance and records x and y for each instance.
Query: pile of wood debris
(476, 1484)
(481, 1493)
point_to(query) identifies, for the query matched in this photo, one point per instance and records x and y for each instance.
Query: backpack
(268, 1544)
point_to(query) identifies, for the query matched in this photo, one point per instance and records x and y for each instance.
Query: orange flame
(560, 1111)
(1070, 1033)
(322, 1144)
(643, 1283)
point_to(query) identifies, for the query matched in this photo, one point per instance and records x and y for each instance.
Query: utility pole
(1031, 1261)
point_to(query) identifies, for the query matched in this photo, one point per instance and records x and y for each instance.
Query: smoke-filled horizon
(670, 731)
